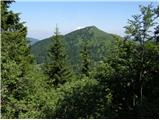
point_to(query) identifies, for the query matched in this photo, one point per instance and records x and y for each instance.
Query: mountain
(99, 41)
(32, 40)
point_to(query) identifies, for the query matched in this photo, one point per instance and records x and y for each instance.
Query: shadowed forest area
(87, 73)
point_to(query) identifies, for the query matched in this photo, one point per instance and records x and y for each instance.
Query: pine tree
(57, 70)
(85, 58)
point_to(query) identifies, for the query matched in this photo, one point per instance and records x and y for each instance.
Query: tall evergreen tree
(57, 70)
(16, 59)
(85, 58)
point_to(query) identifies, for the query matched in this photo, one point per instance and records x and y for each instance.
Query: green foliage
(17, 82)
(119, 78)
(57, 70)
(120, 73)
(115, 73)
(129, 66)
(42, 46)
(78, 99)
(139, 29)
(15, 63)
(156, 29)
(85, 58)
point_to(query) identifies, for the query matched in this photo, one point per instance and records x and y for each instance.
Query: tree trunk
(141, 74)
(141, 88)
(134, 101)
(141, 94)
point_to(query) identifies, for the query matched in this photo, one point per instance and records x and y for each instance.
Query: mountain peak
(90, 28)
(86, 30)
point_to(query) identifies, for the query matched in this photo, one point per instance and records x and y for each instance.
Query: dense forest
(84, 74)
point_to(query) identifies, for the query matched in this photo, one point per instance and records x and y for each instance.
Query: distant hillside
(100, 43)
(40, 50)
(32, 40)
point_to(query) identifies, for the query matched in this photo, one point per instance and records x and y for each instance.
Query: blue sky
(42, 17)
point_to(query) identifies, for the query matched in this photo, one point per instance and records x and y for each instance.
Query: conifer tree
(15, 59)
(85, 58)
(57, 70)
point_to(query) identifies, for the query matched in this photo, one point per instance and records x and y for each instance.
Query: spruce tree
(57, 70)
(16, 59)
(85, 58)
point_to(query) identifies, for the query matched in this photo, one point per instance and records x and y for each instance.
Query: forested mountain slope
(32, 40)
(99, 41)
